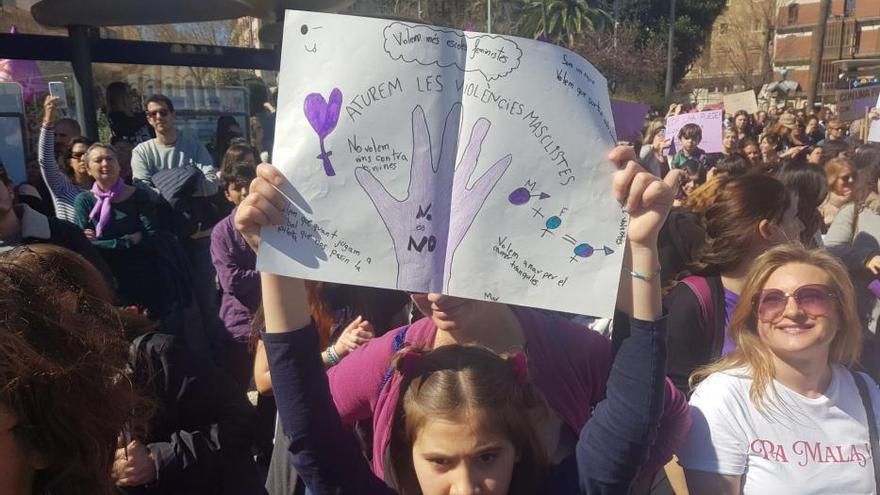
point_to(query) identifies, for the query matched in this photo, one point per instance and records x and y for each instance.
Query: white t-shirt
(797, 446)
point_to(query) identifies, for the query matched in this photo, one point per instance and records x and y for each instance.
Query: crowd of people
(142, 352)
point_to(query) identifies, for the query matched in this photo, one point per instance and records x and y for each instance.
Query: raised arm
(616, 442)
(325, 454)
(59, 184)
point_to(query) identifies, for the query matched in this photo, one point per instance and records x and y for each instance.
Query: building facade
(759, 41)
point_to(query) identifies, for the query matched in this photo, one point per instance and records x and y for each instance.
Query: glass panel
(201, 96)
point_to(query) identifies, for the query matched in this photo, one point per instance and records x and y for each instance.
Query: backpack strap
(700, 287)
(872, 424)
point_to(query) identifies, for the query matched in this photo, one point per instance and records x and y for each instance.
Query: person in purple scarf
(117, 218)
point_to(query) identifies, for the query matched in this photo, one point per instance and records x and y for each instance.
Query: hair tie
(520, 366)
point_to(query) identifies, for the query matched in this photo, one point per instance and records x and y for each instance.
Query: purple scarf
(102, 207)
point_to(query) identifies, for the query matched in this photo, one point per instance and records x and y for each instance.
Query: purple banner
(629, 119)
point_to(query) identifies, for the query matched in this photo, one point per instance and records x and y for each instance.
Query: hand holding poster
(435, 160)
(709, 122)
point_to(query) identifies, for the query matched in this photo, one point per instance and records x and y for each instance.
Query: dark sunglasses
(160, 113)
(815, 300)
(77, 156)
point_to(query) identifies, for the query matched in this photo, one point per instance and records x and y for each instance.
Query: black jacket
(201, 433)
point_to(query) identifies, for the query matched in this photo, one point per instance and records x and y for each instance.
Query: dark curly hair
(63, 356)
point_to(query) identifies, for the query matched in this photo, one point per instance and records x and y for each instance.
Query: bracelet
(646, 278)
(333, 357)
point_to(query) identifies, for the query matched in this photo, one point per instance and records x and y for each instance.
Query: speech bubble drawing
(492, 56)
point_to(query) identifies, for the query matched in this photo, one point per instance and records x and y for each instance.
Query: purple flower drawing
(323, 116)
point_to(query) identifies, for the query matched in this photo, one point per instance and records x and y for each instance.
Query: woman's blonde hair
(752, 353)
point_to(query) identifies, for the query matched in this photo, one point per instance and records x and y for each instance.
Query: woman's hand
(50, 111)
(90, 234)
(648, 200)
(356, 334)
(263, 206)
(643, 195)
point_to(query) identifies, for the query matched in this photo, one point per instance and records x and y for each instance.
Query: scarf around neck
(103, 205)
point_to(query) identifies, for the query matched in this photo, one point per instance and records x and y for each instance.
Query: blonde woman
(655, 148)
(783, 413)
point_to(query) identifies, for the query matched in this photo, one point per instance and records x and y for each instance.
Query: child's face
(467, 456)
(689, 144)
(236, 193)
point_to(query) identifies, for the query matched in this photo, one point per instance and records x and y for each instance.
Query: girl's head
(811, 187)
(733, 165)
(797, 306)
(751, 150)
(76, 165)
(237, 180)
(867, 166)
(465, 424)
(728, 141)
(656, 129)
(840, 175)
(815, 155)
(101, 163)
(741, 121)
(237, 153)
(748, 215)
(771, 143)
(694, 176)
(62, 386)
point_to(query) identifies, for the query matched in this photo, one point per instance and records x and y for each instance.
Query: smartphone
(56, 89)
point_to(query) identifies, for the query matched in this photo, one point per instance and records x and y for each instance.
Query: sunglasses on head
(160, 113)
(815, 300)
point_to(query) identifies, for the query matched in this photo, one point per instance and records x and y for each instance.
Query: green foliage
(566, 20)
(693, 26)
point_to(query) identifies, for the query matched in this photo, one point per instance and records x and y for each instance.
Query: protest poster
(852, 103)
(709, 122)
(436, 160)
(629, 120)
(745, 100)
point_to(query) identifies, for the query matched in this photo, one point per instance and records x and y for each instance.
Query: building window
(848, 7)
(793, 13)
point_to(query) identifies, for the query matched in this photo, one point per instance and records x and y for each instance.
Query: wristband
(333, 357)
(646, 278)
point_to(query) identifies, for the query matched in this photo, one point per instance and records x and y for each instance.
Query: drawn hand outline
(418, 271)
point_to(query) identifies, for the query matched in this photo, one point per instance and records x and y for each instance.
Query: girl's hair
(752, 352)
(96, 146)
(654, 127)
(734, 165)
(63, 359)
(236, 153)
(867, 166)
(773, 139)
(731, 219)
(811, 186)
(240, 174)
(468, 383)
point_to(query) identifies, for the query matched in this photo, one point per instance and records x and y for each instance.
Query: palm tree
(561, 21)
